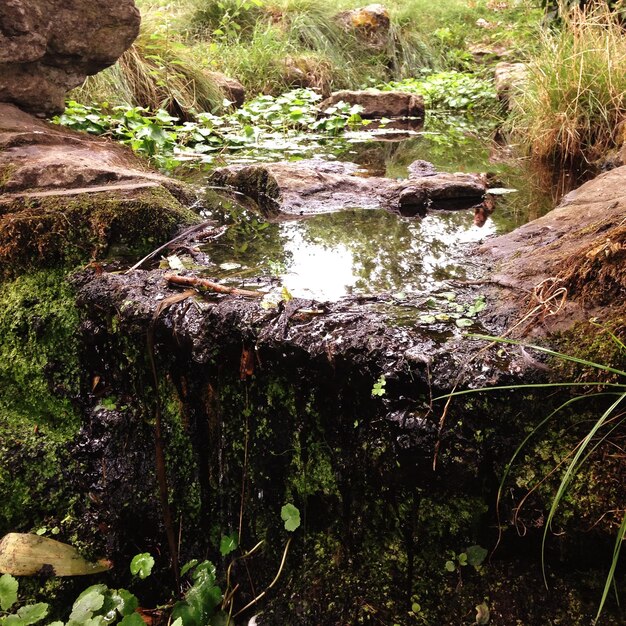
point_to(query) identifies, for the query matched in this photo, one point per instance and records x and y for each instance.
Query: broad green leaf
(291, 516)
(450, 566)
(8, 591)
(228, 544)
(134, 619)
(90, 601)
(33, 613)
(476, 555)
(142, 565)
(124, 602)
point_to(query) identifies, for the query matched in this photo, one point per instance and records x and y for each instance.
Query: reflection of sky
(316, 270)
(321, 270)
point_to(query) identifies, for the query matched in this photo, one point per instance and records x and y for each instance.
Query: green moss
(39, 377)
(68, 230)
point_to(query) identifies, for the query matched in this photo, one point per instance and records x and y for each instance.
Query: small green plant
(379, 387)
(446, 308)
(474, 556)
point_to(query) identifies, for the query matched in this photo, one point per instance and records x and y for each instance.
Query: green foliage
(229, 543)
(446, 308)
(452, 90)
(291, 516)
(379, 387)
(8, 591)
(265, 121)
(202, 599)
(598, 432)
(142, 565)
(574, 98)
(158, 71)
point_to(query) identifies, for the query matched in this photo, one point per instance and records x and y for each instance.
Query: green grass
(272, 46)
(574, 104)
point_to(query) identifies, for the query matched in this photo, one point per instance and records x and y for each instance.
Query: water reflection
(357, 251)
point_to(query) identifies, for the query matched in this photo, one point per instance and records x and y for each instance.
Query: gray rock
(288, 190)
(48, 47)
(509, 78)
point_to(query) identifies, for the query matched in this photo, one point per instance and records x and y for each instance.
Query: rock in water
(378, 104)
(48, 47)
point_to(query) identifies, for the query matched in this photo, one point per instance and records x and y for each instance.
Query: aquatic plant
(573, 104)
(262, 123)
(452, 90)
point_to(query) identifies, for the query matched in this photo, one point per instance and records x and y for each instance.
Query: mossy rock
(65, 230)
(39, 383)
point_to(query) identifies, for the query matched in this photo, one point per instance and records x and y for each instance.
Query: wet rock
(509, 79)
(232, 89)
(287, 190)
(48, 47)
(568, 261)
(378, 103)
(371, 24)
(66, 196)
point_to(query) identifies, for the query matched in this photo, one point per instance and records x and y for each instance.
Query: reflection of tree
(389, 252)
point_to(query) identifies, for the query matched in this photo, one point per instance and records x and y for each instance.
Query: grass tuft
(574, 104)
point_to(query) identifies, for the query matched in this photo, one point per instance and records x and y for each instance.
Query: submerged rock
(377, 104)
(48, 47)
(302, 188)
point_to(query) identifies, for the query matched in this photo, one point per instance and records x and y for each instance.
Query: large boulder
(48, 47)
(509, 79)
(371, 24)
(377, 104)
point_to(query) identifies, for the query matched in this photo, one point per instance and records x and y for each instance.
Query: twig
(208, 285)
(182, 235)
(280, 571)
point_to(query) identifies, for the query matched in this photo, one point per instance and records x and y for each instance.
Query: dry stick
(182, 235)
(280, 571)
(203, 283)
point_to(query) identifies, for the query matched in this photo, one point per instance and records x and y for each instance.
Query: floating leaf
(291, 516)
(464, 322)
(142, 565)
(450, 566)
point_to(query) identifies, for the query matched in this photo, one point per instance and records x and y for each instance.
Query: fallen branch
(208, 285)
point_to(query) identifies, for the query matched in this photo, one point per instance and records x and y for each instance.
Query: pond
(361, 251)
